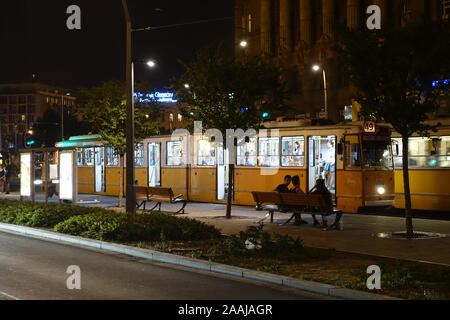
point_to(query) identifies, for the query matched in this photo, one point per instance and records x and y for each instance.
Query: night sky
(34, 39)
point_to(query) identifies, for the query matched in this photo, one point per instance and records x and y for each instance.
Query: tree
(47, 129)
(395, 72)
(226, 93)
(104, 108)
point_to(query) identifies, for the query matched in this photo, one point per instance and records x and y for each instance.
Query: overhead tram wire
(181, 24)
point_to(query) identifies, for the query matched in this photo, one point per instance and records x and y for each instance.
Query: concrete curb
(309, 286)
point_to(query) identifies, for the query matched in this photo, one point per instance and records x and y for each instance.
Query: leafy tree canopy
(226, 93)
(393, 70)
(104, 107)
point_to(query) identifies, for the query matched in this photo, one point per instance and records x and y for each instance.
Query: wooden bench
(295, 203)
(158, 195)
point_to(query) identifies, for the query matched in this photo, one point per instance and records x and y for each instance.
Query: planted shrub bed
(40, 214)
(132, 227)
(102, 224)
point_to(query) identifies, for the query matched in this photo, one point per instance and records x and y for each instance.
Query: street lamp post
(130, 174)
(324, 75)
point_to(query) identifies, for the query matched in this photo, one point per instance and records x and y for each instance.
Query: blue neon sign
(439, 83)
(160, 97)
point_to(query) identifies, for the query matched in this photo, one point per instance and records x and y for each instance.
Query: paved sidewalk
(357, 236)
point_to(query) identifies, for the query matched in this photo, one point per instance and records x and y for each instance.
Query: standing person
(320, 188)
(8, 169)
(330, 165)
(284, 187)
(2, 178)
(297, 189)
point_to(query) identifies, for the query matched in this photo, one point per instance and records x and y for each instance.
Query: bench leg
(182, 208)
(290, 219)
(271, 216)
(140, 205)
(153, 208)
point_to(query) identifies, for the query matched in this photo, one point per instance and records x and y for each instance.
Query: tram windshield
(377, 155)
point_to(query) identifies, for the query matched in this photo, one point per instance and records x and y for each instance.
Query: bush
(39, 214)
(256, 241)
(131, 227)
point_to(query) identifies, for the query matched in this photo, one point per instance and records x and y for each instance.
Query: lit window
(85, 157)
(139, 155)
(249, 23)
(293, 151)
(431, 152)
(112, 158)
(268, 152)
(246, 153)
(174, 153)
(171, 117)
(180, 117)
(206, 153)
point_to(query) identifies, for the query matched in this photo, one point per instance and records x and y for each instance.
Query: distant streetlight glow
(316, 67)
(243, 44)
(151, 63)
(186, 86)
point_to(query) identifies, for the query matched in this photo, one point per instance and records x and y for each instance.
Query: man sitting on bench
(284, 187)
(297, 189)
(320, 188)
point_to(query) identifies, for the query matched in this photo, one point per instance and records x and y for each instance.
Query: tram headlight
(381, 190)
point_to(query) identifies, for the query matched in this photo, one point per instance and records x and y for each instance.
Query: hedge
(40, 214)
(136, 227)
(102, 224)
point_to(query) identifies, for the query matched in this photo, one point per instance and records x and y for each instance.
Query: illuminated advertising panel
(66, 176)
(25, 174)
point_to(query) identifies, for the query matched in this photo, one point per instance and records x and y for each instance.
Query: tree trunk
(121, 181)
(230, 189)
(408, 212)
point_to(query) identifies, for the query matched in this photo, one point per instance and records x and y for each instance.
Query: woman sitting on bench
(297, 189)
(320, 188)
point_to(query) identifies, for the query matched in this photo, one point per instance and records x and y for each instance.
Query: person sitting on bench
(320, 188)
(284, 187)
(297, 189)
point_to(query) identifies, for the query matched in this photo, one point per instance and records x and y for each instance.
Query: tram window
(377, 155)
(424, 152)
(246, 153)
(174, 153)
(206, 153)
(268, 152)
(112, 158)
(85, 157)
(293, 151)
(139, 155)
(352, 155)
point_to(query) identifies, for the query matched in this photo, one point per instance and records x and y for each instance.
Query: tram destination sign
(370, 127)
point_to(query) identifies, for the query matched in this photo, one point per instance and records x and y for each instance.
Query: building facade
(300, 33)
(21, 104)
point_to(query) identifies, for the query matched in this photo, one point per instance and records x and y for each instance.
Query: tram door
(222, 173)
(154, 164)
(100, 183)
(322, 161)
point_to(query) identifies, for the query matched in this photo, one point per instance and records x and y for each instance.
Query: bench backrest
(160, 191)
(266, 197)
(299, 199)
(141, 191)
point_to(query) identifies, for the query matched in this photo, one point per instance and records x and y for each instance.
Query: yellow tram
(357, 165)
(429, 169)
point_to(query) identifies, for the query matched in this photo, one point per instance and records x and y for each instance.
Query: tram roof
(80, 142)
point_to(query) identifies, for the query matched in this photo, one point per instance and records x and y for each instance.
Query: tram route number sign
(369, 127)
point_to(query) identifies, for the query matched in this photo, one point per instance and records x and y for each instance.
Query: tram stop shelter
(48, 172)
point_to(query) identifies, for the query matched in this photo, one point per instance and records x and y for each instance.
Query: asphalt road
(35, 269)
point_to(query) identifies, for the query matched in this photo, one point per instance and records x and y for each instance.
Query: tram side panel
(86, 180)
(175, 178)
(349, 190)
(430, 189)
(203, 184)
